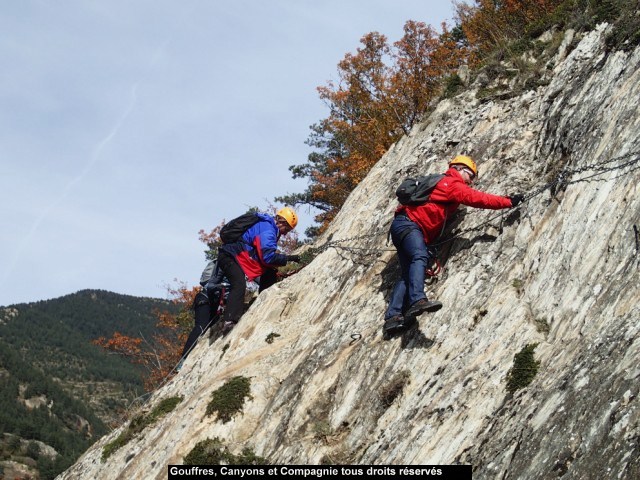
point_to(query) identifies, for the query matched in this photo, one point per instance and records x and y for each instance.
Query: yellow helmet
(289, 215)
(466, 161)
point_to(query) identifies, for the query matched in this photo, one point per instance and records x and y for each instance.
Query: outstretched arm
(466, 195)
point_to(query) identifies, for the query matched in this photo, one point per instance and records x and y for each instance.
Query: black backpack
(232, 231)
(416, 191)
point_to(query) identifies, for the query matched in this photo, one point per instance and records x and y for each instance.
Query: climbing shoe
(394, 324)
(397, 325)
(227, 327)
(421, 306)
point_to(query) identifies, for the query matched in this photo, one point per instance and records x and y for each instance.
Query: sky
(126, 126)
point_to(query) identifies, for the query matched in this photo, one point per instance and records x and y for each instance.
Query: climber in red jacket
(415, 226)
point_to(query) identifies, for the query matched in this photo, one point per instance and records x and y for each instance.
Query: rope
(562, 179)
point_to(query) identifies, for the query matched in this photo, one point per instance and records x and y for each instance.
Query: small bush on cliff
(623, 14)
(340, 456)
(525, 368)
(452, 86)
(214, 452)
(542, 325)
(394, 389)
(139, 423)
(167, 405)
(229, 398)
(322, 430)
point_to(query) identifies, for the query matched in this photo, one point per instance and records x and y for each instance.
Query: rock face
(561, 272)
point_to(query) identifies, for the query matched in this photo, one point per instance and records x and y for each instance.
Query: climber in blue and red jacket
(254, 255)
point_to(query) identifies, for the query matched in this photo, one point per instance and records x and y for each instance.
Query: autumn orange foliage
(383, 90)
(491, 24)
(159, 354)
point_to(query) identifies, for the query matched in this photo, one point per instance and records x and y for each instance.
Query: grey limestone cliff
(561, 273)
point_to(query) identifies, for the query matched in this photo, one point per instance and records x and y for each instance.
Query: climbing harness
(435, 269)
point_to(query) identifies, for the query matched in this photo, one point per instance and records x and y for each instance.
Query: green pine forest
(56, 387)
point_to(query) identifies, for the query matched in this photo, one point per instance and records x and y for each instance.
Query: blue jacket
(257, 251)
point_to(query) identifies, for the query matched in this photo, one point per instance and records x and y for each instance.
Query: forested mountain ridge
(57, 387)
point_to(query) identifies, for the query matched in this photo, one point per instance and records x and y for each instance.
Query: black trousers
(235, 302)
(203, 320)
(267, 279)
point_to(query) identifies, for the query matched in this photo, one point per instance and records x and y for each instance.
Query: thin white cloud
(46, 211)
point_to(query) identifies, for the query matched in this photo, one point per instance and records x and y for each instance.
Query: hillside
(58, 388)
(553, 283)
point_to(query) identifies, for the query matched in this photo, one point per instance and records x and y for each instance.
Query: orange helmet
(289, 215)
(466, 161)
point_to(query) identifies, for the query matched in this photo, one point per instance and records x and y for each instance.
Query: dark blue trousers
(414, 258)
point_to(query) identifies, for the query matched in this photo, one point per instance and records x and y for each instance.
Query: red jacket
(445, 199)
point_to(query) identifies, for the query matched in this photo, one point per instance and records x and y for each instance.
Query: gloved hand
(293, 258)
(516, 199)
